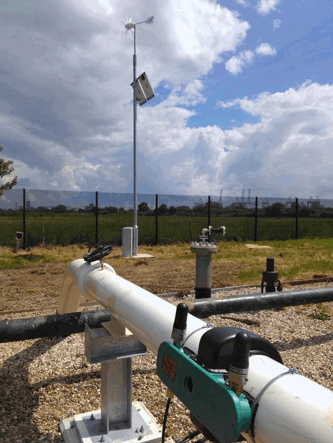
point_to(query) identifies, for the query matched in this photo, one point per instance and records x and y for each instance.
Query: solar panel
(149, 93)
(140, 96)
(144, 91)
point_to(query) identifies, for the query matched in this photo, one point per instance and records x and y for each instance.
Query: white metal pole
(135, 222)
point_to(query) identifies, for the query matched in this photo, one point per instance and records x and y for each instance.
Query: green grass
(322, 312)
(294, 259)
(65, 229)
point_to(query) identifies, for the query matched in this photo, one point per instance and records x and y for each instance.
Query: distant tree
(143, 207)
(60, 208)
(275, 210)
(112, 209)
(172, 210)
(306, 212)
(90, 208)
(122, 210)
(6, 169)
(184, 210)
(163, 209)
(199, 208)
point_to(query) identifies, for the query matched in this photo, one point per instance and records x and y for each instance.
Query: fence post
(208, 216)
(96, 209)
(256, 221)
(156, 219)
(296, 227)
(24, 230)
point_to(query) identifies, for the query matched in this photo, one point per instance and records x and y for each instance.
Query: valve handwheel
(98, 253)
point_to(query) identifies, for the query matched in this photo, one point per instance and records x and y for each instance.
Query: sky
(243, 96)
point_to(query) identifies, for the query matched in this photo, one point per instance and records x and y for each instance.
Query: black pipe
(51, 325)
(67, 324)
(257, 302)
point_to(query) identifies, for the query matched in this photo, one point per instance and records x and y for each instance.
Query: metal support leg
(118, 419)
(116, 394)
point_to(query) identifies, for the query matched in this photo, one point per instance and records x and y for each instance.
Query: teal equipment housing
(211, 401)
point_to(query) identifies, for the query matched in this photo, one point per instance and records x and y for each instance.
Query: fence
(52, 217)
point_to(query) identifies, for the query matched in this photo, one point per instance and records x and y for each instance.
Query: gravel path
(43, 381)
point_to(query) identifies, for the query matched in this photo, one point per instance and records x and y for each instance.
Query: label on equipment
(169, 367)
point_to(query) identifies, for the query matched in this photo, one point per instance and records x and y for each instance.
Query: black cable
(165, 418)
(201, 440)
(188, 437)
(98, 253)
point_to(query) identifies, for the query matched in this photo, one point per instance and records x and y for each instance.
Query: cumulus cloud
(265, 49)
(264, 7)
(65, 74)
(288, 151)
(236, 64)
(189, 95)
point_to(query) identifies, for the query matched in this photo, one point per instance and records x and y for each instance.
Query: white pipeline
(290, 408)
(145, 315)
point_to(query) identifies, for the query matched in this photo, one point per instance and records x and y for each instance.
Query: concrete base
(141, 256)
(83, 429)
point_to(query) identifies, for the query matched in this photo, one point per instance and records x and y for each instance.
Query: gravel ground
(43, 381)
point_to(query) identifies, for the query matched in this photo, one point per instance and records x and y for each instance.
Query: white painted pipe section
(291, 408)
(147, 316)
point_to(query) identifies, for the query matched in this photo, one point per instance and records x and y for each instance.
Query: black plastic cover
(181, 317)
(216, 347)
(241, 351)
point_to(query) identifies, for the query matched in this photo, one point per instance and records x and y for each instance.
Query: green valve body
(223, 413)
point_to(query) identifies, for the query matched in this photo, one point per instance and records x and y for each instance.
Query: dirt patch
(249, 246)
(39, 285)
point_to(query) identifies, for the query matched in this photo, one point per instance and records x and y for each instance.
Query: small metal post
(296, 221)
(209, 216)
(19, 236)
(24, 233)
(156, 219)
(96, 209)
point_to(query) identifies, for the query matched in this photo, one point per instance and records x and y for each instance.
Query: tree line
(199, 209)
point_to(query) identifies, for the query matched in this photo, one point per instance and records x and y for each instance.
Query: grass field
(66, 229)
(294, 259)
